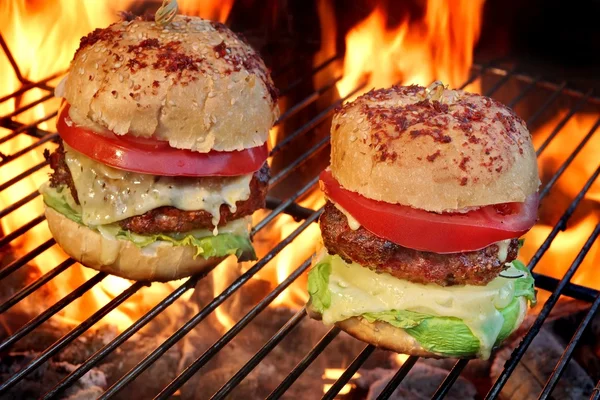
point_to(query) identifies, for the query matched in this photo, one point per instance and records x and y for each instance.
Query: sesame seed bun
(162, 262)
(193, 83)
(458, 151)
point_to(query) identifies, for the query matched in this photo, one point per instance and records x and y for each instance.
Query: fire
(41, 45)
(334, 374)
(438, 46)
(568, 243)
(215, 10)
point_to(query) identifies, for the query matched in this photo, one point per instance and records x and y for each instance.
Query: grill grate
(308, 216)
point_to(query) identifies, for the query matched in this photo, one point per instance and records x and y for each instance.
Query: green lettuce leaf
(209, 246)
(525, 286)
(318, 286)
(55, 198)
(221, 245)
(443, 335)
(398, 318)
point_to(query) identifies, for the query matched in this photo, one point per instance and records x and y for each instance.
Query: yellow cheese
(356, 290)
(108, 195)
(503, 249)
(352, 222)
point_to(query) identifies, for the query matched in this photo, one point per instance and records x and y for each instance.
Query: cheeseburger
(428, 192)
(163, 148)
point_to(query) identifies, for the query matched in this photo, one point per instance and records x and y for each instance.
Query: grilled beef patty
(363, 247)
(169, 219)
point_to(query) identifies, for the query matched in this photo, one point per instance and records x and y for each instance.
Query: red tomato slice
(438, 233)
(151, 156)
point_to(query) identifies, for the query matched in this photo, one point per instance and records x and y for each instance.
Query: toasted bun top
(193, 83)
(435, 150)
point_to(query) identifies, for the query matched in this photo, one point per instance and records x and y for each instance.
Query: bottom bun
(158, 262)
(386, 336)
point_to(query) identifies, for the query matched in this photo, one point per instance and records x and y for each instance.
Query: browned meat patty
(170, 219)
(61, 174)
(363, 247)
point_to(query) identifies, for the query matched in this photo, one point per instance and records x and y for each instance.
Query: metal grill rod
(445, 386)
(316, 121)
(532, 85)
(571, 290)
(11, 157)
(201, 361)
(501, 82)
(397, 378)
(12, 61)
(69, 337)
(574, 109)
(23, 175)
(27, 107)
(569, 160)
(304, 363)
(520, 350)
(309, 74)
(293, 110)
(275, 180)
(542, 83)
(24, 128)
(129, 332)
(260, 355)
(566, 356)
(282, 206)
(562, 223)
(25, 88)
(596, 392)
(27, 290)
(18, 232)
(18, 263)
(349, 372)
(51, 311)
(544, 107)
(218, 300)
(19, 203)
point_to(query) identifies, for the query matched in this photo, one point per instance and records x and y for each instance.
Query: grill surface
(502, 76)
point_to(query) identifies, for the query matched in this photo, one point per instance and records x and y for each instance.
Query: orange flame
(567, 244)
(42, 36)
(440, 46)
(216, 10)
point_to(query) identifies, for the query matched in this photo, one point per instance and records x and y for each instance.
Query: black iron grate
(290, 206)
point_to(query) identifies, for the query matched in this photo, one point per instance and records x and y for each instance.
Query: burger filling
(454, 305)
(351, 243)
(453, 321)
(206, 212)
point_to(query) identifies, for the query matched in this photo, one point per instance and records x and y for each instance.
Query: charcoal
(534, 369)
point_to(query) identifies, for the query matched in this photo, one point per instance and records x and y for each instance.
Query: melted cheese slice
(108, 195)
(356, 290)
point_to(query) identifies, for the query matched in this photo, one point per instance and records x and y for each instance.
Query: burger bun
(159, 262)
